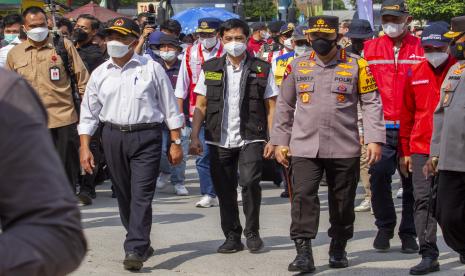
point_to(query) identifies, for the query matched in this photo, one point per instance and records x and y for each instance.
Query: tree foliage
(436, 9)
(260, 9)
(336, 5)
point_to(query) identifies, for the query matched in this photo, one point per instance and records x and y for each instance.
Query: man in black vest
(236, 98)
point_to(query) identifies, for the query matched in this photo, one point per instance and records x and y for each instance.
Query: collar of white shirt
(241, 65)
(135, 58)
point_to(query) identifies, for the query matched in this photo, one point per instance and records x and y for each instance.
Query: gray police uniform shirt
(316, 112)
(448, 141)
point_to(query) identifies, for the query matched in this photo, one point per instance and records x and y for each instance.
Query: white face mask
(117, 49)
(265, 35)
(436, 58)
(168, 56)
(301, 50)
(288, 43)
(235, 48)
(208, 42)
(37, 34)
(393, 30)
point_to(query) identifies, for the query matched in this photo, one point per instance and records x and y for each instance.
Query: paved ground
(185, 239)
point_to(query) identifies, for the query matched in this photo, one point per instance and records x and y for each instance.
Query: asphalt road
(185, 239)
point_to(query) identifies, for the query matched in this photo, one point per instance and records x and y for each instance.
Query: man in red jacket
(421, 96)
(259, 37)
(390, 58)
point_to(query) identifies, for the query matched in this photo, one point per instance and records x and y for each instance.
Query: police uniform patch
(458, 72)
(303, 64)
(304, 86)
(345, 66)
(344, 73)
(303, 78)
(341, 98)
(305, 71)
(342, 88)
(209, 75)
(366, 81)
(305, 97)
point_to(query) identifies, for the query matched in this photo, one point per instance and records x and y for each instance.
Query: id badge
(54, 73)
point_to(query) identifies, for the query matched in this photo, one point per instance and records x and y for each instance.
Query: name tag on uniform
(209, 75)
(54, 73)
(418, 82)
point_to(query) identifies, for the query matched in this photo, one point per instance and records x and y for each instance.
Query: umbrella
(102, 14)
(189, 18)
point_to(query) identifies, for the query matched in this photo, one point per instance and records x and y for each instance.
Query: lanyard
(200, 52)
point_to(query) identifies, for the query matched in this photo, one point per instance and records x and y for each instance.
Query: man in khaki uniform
(37, 60)
(316, 121)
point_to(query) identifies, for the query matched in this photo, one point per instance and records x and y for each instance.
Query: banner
(365, 11)
(144, 6)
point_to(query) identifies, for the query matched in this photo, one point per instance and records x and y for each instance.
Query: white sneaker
(239, 194)
(364, 206)
(206, 202)
(400, 192)
(180, 190)
(163, 180)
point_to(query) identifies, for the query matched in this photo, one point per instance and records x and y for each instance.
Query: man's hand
(405, 165)
(195, 147)
(282, 155)
(87, 160)
(268, 151)
(147, 31)
(430, 167)
(175, 154)
(373, 153)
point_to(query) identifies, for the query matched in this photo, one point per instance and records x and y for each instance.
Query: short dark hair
(33, 10)
(12, 19)
(94, 22)
(234, 23)
(65, 22)
(140, 15)
(172, 26)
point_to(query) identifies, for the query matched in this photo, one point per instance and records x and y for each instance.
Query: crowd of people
(326, 103)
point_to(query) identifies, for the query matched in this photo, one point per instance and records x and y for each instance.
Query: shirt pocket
(143, 89)
(21, 67)
(342, 93)
(305, 92)
(448, 88)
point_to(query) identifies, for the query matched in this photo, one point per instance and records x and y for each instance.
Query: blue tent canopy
(189, 18)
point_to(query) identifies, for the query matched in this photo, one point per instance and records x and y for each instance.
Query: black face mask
(79, 35)
(357, 46)
(457, 50)
(323, 46)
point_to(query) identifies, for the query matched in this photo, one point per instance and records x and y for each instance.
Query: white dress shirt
(139, 92)
(230, 127)
(4, 50)
(183, 82)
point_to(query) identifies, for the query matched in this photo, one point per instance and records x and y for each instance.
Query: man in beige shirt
(37, 60)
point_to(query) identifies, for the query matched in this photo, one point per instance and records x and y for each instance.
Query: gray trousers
(421, 190)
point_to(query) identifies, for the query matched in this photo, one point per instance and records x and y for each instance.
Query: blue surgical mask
(10, 37)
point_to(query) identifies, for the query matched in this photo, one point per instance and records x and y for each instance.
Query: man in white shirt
(12, 35)
(207, 47)
(236, 98)
(131, 95)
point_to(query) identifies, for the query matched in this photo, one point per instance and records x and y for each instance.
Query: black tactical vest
(253, 119)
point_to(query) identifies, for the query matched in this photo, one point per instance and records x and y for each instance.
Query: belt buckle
(123, 128)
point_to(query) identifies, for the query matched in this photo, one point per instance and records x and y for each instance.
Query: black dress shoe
(232, 244)
(149, 253)
(409, 245)
(84, 199)
(462, 259)
(133, 261)
(381, 242)
(284, 194)
(303, 262)
(426, 266)
(337, 254)
(254, 242)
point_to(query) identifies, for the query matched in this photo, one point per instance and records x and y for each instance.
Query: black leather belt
(132, 128)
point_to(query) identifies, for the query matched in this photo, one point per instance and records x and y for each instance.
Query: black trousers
(342, 177)
(381, 191)
(224, 164)
(134, 159)
(421, 191)
(89, 181)
(66, 140)
(450, 209)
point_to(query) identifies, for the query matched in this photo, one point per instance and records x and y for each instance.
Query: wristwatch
(176, 142)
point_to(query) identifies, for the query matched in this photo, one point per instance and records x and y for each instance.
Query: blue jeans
(203, 167)
(178, 172)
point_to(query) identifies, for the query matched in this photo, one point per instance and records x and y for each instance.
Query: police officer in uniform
(448, 145)
(316, 123)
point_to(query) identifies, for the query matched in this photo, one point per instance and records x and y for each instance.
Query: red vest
(390, 77)
(421, 97)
